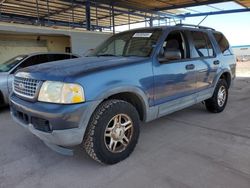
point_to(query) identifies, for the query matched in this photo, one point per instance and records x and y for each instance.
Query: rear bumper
(62, 125)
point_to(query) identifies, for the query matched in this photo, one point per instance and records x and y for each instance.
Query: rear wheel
(113, 132)
(218, 101)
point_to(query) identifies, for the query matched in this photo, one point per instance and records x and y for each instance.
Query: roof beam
(216, 12)
(100, 4)
(124, 5)
(197, 3)
(33, 20)
(61, 11)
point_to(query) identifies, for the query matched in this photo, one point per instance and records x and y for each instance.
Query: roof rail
(195, 26)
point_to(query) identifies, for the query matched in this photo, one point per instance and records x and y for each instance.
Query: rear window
(202, 44)
(223, 43)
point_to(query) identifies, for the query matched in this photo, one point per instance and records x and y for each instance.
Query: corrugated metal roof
(72, 12)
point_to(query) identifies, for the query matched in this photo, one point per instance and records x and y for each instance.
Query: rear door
(204, 57)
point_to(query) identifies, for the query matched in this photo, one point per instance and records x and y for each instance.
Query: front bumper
(62, 125)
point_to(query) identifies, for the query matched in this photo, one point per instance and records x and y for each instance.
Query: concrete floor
(188, 149)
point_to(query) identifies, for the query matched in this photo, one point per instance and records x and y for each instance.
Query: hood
(59, 70)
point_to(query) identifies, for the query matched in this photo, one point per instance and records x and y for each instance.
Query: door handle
(190, 67)
(216, 62)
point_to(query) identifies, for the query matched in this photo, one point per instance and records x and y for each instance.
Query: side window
(202, 44)
(41, 59)
(29, 62)
(34, 60)
(175, 42)
(223, 43)
(57, 57)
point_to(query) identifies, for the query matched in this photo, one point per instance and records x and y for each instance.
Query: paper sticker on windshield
(142, 35)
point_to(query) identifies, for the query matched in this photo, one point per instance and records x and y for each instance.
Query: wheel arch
(227, 77)
(133, 99)
(132, 95)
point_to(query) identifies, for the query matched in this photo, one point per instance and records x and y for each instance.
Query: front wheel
(113, 132)
(218, 101)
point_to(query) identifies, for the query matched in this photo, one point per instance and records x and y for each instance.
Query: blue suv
(134, 76)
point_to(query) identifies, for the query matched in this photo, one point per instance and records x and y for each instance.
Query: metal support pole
(96, 13)
(110, 18)
(72, 12)
(87, 15)
(37, 12)
(113, 19)
(48, 11)
(203, 19)
(151, 22)
(128, 20)
(1, 11)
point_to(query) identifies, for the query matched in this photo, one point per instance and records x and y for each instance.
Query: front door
(174, 78)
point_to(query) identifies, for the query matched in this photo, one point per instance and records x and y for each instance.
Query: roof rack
(195, 26)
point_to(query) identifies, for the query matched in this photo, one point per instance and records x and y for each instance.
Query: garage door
(11, 48)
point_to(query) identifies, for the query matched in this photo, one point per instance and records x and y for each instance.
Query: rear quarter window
(222, 43)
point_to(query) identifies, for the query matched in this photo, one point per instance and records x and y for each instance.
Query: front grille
(26, 87)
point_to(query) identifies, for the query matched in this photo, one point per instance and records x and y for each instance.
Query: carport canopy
(107, 14)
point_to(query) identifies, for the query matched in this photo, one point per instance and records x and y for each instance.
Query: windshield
(8, 65)
(132, 43)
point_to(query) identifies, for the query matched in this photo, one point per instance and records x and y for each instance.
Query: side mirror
(170, 55)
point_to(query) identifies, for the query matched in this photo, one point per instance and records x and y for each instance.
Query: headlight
(62, 93)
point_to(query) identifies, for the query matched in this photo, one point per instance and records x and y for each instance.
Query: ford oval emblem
(21, 86)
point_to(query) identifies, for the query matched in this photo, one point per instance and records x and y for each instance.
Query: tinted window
(202, 44)
(223, 43)
(57, 57)
(34, 60)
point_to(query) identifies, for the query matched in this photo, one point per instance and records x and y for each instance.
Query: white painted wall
(15, 44)
(11, 48)
(81, 41)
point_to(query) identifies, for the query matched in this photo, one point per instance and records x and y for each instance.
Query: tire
(104, 140)
(1, 99)
(215, 104)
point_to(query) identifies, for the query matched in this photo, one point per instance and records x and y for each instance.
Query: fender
(226, 70)
(128, 89)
